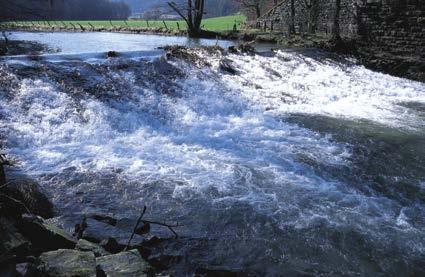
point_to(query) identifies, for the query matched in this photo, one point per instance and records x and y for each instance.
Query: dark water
(297, 165)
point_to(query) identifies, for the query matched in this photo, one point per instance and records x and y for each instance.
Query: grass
(225, 23)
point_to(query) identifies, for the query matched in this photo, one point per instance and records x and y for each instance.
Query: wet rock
(97, 231)
(12, 242)
(28, 270)
(112, 54)
(111, 245)
(128, 264)
(226, 66)
(29, 194)
(104, 218)
(212, 272)
(44, 236)
(66, 262)
(84, 245)
(164, 262)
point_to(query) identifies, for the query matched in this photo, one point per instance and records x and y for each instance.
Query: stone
(111, 245)
(28, 270)
(68, 263)
(12, 242)
(226, 66)
(44, 236)
(29, 193)
(216, 272)
(84, 245)
(112, 54)
(127, 264)
(97, 231)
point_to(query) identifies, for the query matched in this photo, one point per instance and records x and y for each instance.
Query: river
(300, 163)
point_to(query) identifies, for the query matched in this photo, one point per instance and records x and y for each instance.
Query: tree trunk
(195, 12)
(292, 19)
(257, 11)
(336, 33)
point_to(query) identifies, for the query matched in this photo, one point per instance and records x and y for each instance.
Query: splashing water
(298, 164)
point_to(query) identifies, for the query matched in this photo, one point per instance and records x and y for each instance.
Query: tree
(292, 18)
(193, 17)
(336, 33)
(312, 9)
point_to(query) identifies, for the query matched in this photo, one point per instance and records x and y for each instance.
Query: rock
(84, 245)
(12, 242)
(111, 245)
(164, 262)
(28, 270)
(97, 231)
(65, 262)
(29, 193)
(210, 272)
(226, 66)
(104, 218)
(124, 264)
(112, 54)
(45, 237)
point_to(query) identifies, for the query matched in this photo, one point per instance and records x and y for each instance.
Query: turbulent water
(300, 163)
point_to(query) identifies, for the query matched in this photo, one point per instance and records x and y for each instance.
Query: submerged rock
(127, 264)
(66, 262)
(97, 231)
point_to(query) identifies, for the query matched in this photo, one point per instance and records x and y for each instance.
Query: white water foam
(223, 133)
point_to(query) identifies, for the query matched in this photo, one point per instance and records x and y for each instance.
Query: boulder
(87, 246)
(111, 245)
(127, 264)
(226, 66)
(44, 236)
(29, 194)
(112, 54)
(28, 270)
(12, 242)
(68, 263)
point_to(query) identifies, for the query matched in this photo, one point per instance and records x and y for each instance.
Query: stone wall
(396, 26)
(390, 34)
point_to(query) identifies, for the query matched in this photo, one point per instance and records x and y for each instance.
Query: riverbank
(34, 243)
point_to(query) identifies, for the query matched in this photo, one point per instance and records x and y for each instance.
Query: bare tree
(192, 13)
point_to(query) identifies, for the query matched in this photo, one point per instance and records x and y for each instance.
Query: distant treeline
(63, 10)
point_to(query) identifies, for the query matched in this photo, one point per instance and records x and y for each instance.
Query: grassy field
(225, 23)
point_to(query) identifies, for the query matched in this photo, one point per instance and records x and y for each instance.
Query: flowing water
(300, 163)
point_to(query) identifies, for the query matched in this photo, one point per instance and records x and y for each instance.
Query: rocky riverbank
(33, 244)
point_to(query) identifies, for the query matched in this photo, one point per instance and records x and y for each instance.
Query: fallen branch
(170, 227)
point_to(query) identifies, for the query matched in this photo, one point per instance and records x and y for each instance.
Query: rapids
(300, 163)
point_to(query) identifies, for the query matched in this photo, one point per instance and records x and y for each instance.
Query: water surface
(298, 164)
